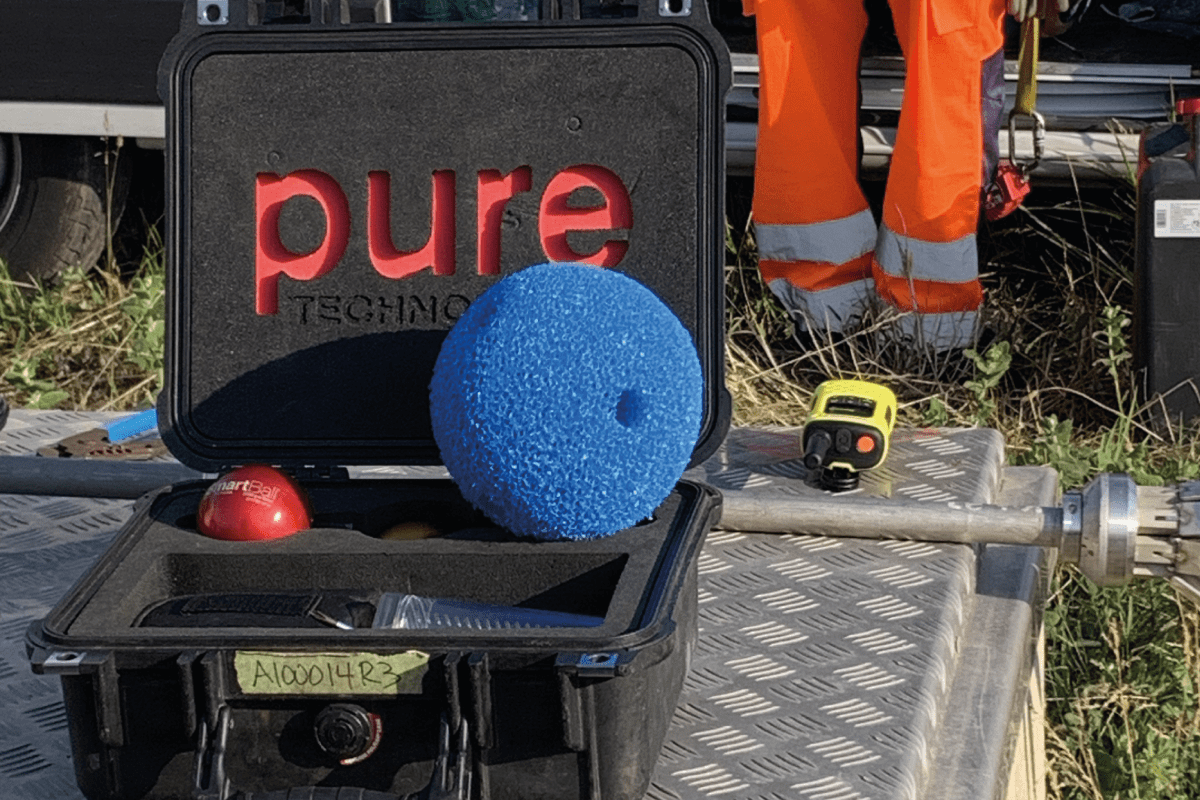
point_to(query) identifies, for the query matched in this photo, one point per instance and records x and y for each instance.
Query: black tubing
(69, 477)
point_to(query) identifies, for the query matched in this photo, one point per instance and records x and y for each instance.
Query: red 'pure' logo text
(557, 217)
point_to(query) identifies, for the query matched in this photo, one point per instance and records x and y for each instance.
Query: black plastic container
(168, 709)
(197, 668)
(1167, 339)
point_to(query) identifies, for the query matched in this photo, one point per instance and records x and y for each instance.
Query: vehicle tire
(53, 202)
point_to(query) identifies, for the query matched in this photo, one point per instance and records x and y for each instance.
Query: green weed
(90, 340)
(1122, 692)
(990, 368)
(1054, 444)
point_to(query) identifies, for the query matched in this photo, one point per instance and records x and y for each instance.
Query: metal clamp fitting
(1108, 539)
(1072, 525)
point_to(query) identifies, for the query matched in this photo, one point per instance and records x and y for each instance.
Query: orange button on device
(865, 444)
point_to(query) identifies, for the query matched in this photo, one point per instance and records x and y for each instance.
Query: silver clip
(1039, 141)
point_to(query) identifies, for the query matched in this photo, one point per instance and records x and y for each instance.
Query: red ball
(253, 503)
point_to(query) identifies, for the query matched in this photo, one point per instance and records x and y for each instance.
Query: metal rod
(879, 518)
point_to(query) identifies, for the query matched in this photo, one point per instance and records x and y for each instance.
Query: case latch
(209, 781)
(101, 666)
(452, 769)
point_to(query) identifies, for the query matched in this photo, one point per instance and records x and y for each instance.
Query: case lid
(340, 191)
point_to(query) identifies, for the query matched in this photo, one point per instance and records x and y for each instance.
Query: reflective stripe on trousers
(927, 277)
(939, 331)
(835, 241)
(834, 309)
(821, 271)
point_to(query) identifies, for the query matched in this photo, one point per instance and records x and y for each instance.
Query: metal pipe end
(1109, 528)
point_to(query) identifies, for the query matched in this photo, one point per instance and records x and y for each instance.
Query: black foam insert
(161, 558)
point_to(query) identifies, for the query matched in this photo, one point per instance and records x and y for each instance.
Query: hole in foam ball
(630, 408)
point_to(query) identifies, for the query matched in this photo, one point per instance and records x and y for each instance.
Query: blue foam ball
(566, 402)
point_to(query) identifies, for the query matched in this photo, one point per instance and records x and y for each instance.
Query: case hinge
(307, 472)
(590, 665)
(320, 473)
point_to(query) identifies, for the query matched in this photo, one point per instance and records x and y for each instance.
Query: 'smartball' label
(261, 672)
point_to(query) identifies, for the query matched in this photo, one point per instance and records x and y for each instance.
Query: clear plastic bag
(413, 612)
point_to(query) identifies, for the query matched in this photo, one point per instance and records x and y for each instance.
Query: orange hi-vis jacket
(820, 248)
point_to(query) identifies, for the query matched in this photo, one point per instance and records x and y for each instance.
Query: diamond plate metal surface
(820, 671)
(46, 543)
(922, 464)
(822, 665)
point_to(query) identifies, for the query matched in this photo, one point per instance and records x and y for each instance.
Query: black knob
(818, 447)
(345, 730)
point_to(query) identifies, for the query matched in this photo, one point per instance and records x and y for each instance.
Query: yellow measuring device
(847, 431)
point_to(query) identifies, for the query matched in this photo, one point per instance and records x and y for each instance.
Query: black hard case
(339, 375)
(1167, 330)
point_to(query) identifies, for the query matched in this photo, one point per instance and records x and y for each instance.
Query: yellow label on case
(261, 672)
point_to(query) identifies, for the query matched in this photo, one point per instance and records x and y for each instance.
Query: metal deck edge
(991, 692)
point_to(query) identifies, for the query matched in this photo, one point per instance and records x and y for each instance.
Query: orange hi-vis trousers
(820, 248)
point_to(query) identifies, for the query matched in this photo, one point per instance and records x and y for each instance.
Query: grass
(1056, 379)
(91, 340)
(1121, 675)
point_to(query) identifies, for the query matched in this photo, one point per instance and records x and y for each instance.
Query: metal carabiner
(1039, 140)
